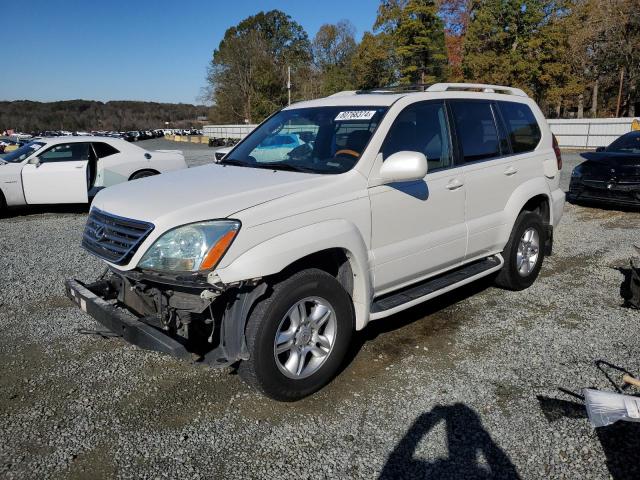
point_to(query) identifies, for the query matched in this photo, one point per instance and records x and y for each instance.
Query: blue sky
(134, 50)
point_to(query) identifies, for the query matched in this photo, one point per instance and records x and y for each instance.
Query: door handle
(510, 171)
(81, 166)
(454, 184)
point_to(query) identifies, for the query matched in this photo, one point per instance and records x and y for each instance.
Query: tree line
(78, 115)
(576, 58)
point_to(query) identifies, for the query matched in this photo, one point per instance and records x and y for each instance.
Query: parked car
(74, 169)
(131, 136)
(220, 153)
(610, 175)
(273, 264)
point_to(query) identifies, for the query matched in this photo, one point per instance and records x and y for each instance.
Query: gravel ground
(465, 386)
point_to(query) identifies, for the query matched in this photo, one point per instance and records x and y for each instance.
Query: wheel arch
(335, 246)
(152, 170)
(532, 196)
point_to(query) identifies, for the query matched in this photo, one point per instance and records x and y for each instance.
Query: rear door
(489, 170)
(61, 176)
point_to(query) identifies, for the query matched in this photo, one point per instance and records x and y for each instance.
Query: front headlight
(192, 247)
(576, 172)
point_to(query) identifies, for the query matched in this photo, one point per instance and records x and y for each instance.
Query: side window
(421, 127)
(104, 149)
(522, 127)
(66, 152)
(476, 130)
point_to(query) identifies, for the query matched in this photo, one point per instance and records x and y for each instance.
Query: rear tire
(524, 253)
(275, 339)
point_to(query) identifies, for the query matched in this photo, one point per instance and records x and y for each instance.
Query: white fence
(573, 133)
(589, 132)
(227, 131)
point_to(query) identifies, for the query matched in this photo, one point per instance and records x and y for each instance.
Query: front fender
(275, 254)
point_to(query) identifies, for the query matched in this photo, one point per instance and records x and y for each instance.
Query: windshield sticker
(355, 115)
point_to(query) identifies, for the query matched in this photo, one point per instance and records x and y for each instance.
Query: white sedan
(72, 170)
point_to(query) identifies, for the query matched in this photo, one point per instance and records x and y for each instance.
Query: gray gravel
(466, 386)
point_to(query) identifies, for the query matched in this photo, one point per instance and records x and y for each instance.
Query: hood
(615, 159)
(201, 193)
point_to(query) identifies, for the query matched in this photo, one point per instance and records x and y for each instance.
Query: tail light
(556, 149)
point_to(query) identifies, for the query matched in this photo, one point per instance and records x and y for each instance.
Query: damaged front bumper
(148, 315)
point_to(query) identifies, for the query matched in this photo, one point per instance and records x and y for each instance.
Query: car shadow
(28, 210)
(472, 452)
(377, 328)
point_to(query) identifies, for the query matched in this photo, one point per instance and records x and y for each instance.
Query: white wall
(588, 132)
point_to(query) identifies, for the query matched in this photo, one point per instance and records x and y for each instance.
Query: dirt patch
(95, 463)
(558, 265)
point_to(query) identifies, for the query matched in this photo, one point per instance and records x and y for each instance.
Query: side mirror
(35, 161)
(404, 167)
(600, 149)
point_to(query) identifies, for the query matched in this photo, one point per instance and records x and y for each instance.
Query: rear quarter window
(104, 149)
(521, 126)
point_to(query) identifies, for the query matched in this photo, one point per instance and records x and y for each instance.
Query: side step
(413, 294)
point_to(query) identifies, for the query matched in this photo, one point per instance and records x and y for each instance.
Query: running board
(432, 287)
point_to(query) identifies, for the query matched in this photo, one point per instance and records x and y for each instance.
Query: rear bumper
(90, 300)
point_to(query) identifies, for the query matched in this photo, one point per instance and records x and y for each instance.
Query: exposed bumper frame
(232, 347)
(89, 299)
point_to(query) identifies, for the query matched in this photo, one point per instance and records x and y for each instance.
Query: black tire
(143, 174)
(509, 277)
(3, 205)
(261, 370)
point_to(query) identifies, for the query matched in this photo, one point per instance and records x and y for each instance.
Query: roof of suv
(386, 97)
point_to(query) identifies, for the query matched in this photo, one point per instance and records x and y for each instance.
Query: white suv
(385, 200)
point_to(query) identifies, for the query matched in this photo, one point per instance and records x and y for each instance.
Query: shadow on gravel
(467, 443)
(27, 210)
(419, 312)
(620, 441)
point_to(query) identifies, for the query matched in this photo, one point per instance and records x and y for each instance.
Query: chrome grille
(113, 238)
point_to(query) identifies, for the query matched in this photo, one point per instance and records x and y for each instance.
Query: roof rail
(343, 93)
(398, 88)
(444, 87)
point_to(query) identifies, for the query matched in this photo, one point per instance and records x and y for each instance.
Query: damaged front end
(189, 320)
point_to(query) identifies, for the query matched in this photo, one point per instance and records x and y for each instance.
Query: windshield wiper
(285, 166)
(237, 163)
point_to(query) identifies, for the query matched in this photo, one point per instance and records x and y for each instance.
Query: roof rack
(408, 88)
(461, 87)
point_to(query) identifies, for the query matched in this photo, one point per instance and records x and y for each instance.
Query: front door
(418, 228)
(60, 177)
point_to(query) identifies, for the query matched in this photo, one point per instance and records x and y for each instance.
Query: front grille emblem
(100, 233)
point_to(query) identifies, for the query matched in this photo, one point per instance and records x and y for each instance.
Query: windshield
(23, 152)
(629, 143)
(315, 140)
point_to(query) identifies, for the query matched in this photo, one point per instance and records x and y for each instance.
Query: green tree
(521, 43)
(417, 33)
(372, 62)
(333, 49)
(247, 78)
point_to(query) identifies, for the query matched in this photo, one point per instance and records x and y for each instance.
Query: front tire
(298, 337)
(524, 253)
